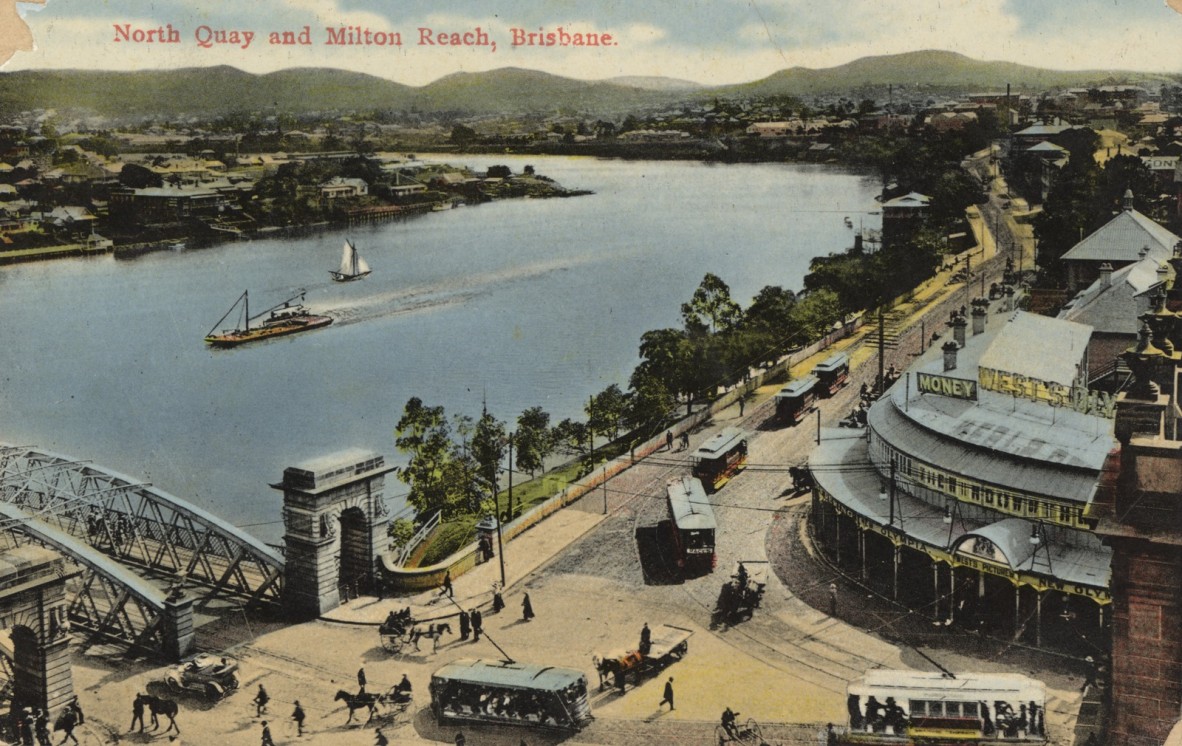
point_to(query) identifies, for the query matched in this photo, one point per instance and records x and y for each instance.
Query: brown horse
(433, 632)
(357, 701)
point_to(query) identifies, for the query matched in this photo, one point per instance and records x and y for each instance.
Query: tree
(489, 441)
(650, 404)
(571, 437)
(423, 433)
(711, 307)
(136, 176)
(605, 412)
(462, 135)
(665, 356)
(815, 313)
(533, 441)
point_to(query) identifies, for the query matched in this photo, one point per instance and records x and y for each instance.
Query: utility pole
(881, 385)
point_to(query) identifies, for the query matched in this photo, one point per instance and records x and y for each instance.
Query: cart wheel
(213, 691)
(233, 682)
(754, 730)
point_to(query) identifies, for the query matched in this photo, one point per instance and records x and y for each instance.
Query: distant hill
(220, 90)
(655, 83)
(929, 69)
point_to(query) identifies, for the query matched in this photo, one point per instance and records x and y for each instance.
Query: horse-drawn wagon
(667, 645)
(396, 630)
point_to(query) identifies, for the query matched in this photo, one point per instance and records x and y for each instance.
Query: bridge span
(141, 550)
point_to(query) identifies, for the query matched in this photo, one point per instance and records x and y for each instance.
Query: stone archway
(335, 520)
(33, 606)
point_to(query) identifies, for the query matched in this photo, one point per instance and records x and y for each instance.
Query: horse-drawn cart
(668, 645)
(396, 630)
(741, 595)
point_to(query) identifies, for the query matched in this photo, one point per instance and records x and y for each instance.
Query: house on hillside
(903, 216)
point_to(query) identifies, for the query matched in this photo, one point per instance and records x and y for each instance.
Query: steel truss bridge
(134, 545)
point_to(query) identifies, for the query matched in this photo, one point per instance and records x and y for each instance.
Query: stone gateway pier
(335, 521)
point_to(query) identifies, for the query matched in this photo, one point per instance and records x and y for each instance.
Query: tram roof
(724, 441)
(499, 673)
(933, 685)
(689, 504)
(797, 387)
(833, 362)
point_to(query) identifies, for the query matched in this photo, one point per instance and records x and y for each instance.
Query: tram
(796, 400)
(691, 522)
(832, 373)
(480, 691)
(913, 707)
(720, 458)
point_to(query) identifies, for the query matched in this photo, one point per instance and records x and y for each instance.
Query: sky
(711, 42)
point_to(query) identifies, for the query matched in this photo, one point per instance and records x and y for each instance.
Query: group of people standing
(31, 724)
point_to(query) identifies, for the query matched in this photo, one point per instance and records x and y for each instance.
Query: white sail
(347, 259)
(362, 265)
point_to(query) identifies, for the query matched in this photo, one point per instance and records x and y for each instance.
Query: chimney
(958, 325)
(950, 349)
(979, 315)
(1105, 275)
(1128, 198)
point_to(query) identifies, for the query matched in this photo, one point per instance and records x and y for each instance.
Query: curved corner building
(965, 497)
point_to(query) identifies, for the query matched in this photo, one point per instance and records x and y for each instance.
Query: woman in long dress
(527, 609)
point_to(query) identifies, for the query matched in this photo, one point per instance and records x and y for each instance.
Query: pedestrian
(830, 735)
(498, 601)
(465, 625)
(527, 609)
(66, 722)
(646, 639)
(668, 695)
(833, 599)
(380, 738)
(460, 740)
(41, 728)
(76, 708)
(619, 674)
(298, 716)
(26, 727)
(267, 740)
(477, 625)
(361, 680)
(742, 402)
(446, 590)
(684, 441)
(137, 713)
(1090, 677)
(669, 440)
(260, 701)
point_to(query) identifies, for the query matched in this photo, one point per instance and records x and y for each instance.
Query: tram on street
(720, 458)
(832, 373)
(913, 707)
(482, 691)
(796, 400)
(691, 525)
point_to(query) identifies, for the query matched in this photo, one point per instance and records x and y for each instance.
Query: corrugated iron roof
(1122, 238)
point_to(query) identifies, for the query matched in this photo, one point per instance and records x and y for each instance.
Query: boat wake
(451, 292)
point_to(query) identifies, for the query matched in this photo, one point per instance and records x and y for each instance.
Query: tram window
(918, 707)
(968, 709)
(936, 709)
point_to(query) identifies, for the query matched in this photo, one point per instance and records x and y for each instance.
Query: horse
(357, 701)
(161, 706)
(433, 633)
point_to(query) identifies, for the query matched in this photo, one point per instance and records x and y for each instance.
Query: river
(515, 303)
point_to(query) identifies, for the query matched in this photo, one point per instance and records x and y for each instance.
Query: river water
(517, 303)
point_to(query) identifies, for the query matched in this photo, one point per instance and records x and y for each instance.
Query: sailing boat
(353, 266)
(288, 317)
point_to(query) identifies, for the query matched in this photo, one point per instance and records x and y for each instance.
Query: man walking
(267, 740)
(446, 584)
(833, 599)
(527, 609)
(668, 695)
(260, 702)
(477, 625)
(361, 680)
(465, 626)
(646, 639)
(137, 713)
(668, 440)
(298, 716)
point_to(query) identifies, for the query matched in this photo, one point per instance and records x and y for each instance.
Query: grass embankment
(461, 531)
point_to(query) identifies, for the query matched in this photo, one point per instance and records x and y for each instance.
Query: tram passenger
(873, 712)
